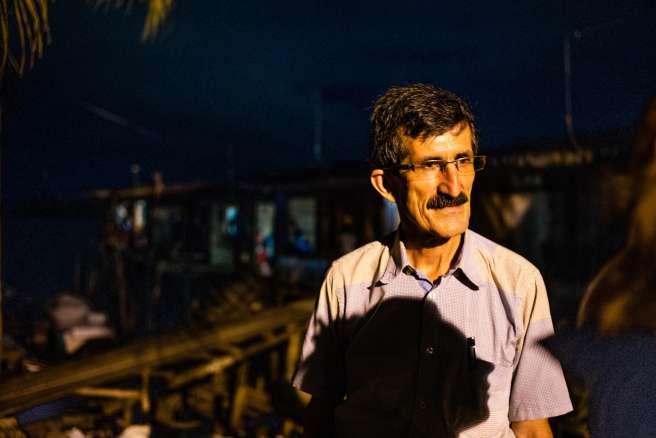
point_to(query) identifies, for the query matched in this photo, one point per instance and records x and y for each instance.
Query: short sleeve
(577, 351)
(538, 388)
(320, 370)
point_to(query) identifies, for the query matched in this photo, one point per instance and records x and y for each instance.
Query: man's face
(436, 208)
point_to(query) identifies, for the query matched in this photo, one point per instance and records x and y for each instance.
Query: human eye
(465, 159)
(433, 164)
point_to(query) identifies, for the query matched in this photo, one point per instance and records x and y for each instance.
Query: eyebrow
(468, 153)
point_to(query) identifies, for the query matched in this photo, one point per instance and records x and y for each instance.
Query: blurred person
(613, 352)
(434, 330)
(644, 150)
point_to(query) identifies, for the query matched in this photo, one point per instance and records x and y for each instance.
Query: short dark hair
(418, 111)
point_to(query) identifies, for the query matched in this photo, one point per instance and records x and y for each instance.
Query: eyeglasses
(432, 169)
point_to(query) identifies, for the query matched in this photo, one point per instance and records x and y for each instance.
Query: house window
(302, 226)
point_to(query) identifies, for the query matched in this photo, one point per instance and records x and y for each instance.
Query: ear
(378, 180)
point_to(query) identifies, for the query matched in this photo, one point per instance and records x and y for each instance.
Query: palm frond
(158, 11)
(25, 32)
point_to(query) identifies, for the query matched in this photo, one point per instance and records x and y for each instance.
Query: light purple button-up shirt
(409, 357)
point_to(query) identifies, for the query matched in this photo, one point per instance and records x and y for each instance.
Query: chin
(449, 235)
(453, 230)
(437, 237)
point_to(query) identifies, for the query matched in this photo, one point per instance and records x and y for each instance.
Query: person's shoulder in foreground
(619, 372)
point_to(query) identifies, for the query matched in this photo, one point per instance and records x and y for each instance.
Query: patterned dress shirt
(409, 357)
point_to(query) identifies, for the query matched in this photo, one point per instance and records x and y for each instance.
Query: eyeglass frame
(442, 164)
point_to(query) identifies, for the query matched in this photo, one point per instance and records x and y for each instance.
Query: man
(433, 331)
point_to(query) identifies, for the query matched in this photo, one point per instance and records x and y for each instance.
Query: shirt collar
(397, 259)
(464, 269)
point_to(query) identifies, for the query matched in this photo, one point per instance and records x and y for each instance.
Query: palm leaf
(158, 11)
(25, 30)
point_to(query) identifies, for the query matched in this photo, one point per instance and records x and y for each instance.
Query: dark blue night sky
(245, 76)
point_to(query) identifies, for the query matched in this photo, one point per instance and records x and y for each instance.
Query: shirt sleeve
(320, 370)
(538, 387)
(578, 351)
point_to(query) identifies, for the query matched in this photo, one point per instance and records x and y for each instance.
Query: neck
(433, 257)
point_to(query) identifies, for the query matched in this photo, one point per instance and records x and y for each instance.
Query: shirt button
(430, 350)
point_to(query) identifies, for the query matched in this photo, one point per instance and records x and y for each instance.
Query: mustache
(442, 200)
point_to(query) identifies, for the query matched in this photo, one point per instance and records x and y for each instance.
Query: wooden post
(145, 391)
(293, 350)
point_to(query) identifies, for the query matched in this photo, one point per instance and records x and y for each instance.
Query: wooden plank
(221, 363)
(130, 394)
(24, 391)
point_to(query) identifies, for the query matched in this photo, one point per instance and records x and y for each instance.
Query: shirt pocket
(501, 351)
(495, 334)
(497, 351)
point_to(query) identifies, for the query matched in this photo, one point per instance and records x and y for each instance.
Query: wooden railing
(217, 348)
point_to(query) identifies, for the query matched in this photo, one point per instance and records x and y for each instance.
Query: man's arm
(535, 366)
(532, 428)
(319, 419)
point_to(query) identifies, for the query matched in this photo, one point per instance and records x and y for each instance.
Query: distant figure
(614, 350)
(300, 244)
(432, 331)
(263, 255)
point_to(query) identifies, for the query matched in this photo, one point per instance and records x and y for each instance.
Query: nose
(450, 181)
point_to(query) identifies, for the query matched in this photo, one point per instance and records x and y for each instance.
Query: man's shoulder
(371, 249)
(510, 274)
(364, 264)
(498, 259)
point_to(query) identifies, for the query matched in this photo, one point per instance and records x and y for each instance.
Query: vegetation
(25, 28)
